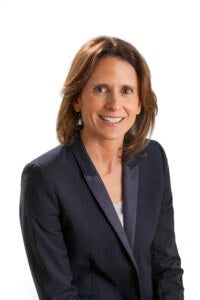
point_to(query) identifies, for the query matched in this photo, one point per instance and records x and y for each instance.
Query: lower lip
(107, 123)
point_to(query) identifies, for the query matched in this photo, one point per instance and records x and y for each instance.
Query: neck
(106, 154)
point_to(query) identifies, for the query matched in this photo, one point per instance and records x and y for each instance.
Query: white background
(38, 40)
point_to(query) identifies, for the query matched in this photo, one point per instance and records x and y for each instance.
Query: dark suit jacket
(75, 243)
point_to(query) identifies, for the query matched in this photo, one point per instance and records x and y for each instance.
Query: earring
(133, 130)
(80, 122)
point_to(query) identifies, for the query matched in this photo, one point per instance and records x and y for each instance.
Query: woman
(96, 212)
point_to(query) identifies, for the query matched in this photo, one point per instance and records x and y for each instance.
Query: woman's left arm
(166, 263)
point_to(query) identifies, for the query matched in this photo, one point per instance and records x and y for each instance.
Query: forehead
(113, 68)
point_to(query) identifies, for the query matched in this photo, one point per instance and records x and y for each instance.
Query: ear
(139, 108)
(76, 105)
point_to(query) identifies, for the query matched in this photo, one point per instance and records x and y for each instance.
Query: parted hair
(82, 66)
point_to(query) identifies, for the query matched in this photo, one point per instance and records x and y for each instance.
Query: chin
(113, 138)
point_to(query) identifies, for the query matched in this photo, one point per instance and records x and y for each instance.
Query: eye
(127, 90)
(100, 89)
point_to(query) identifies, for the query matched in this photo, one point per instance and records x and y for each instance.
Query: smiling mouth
(112, 120)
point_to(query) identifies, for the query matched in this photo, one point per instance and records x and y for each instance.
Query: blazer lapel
(130, 197)
(100, 194)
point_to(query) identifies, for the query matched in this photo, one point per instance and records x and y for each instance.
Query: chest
(113, 185)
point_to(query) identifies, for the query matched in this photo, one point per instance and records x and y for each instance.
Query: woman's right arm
(43, 237)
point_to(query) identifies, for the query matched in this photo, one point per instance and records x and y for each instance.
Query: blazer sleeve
(166, 264)
(43, 238)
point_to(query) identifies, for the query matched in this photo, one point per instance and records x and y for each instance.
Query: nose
(113, 101)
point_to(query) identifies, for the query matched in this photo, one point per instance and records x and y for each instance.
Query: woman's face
(109, 102)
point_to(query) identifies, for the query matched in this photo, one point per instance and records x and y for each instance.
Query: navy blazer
(75, 243)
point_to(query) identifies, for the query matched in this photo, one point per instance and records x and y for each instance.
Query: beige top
(118, 208)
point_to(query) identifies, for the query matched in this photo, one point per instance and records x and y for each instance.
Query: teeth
(111, 120)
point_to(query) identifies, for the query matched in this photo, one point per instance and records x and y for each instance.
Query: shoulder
(154, 149)
(51, 162)
(50, 156)
(153, 156)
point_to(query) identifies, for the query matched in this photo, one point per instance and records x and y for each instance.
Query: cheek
(91, 106)
(87, 111)
(133, 108)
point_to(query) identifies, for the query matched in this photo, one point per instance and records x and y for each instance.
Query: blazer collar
(130, 184)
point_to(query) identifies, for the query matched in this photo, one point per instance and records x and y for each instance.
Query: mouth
(112, 120)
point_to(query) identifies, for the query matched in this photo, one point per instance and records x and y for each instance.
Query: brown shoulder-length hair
(68, 127)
